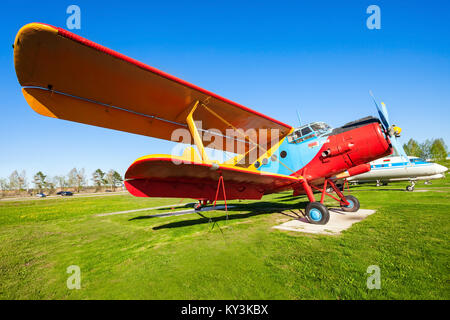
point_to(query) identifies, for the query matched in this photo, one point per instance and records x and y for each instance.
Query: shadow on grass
(378, 189)
(260, 208)
(186, 205)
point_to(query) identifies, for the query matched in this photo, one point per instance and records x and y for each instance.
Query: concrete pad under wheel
(339, 221)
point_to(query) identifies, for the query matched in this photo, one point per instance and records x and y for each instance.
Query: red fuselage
(346, 150)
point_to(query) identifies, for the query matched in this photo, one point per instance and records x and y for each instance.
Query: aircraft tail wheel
(198, 207)
(317, 213)
(410, 188)
(353, 204)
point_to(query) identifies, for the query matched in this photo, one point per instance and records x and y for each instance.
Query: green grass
(131, 256)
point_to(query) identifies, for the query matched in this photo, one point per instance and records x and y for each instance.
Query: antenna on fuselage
(299, 119)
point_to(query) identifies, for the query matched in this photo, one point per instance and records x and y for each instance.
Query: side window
(306, 131)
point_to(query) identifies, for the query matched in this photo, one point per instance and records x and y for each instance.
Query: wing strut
(221, 182)
(257, 145)
(194, 132)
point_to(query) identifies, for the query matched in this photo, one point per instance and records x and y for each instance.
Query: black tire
(354, 204)
(198, 206)
(317, 213)
(410, 188)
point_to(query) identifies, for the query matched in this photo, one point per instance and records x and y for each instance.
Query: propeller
(382, 112)
(392, 130)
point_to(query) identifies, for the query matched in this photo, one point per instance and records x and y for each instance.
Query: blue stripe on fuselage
(398, 164)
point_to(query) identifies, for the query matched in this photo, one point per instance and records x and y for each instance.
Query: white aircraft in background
(399, 166)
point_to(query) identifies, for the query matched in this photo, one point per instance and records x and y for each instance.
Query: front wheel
(353, 204)
(317, 213)
(410, 188)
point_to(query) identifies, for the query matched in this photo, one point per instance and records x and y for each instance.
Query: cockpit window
(320, 127)
(308, 131)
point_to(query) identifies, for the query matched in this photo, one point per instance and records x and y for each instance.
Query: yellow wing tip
(35, 104)
(33, 27)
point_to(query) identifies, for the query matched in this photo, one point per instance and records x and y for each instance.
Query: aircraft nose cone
(440, 169)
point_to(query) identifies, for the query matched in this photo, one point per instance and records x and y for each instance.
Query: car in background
(64, 193)
(40, 195)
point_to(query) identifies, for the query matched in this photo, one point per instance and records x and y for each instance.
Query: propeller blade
(385, 112)
(384, 117)
(382, 112)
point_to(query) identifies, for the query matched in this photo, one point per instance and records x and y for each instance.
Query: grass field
(131, 256)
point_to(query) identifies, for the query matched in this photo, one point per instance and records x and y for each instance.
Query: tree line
(435, 149)
(75, 180)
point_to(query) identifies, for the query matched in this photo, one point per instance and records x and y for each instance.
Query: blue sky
(272, 56)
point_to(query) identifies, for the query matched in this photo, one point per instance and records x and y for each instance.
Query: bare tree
(60, 181)
(80, 179)
(4, 186)
(76, 179)
(23, 183)
(18, 181)
(14, 180)
(72, 178)
(114, 179)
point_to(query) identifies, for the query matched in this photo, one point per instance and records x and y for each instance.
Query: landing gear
(410, 188)
(353, 205)
(317, 213)
(378, 183)
(339, 186)
(198, 206)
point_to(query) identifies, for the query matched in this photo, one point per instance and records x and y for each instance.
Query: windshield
(308, 131)
(320, 127)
